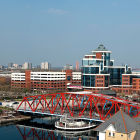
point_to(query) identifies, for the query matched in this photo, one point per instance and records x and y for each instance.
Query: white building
(45, 76)
(18, 76)
(45, 65)
(15, 66)
(27, 65)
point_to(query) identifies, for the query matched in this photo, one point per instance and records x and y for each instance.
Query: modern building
(45, 65)
(119, 127)
(99, 73)
(44, 81)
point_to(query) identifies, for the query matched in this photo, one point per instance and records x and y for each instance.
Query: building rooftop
(81, 92)
(121, 122)
(101, 47)
(107, 92)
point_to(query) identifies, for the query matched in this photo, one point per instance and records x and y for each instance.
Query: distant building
(119, 127)
(16, 66)
(77, 66)
(68, 67)
(45, 65)
(1, 67)
(38, 66)
(10, 65)
(20, 66)
(27, 65)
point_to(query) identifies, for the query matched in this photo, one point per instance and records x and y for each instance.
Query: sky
(63, 31)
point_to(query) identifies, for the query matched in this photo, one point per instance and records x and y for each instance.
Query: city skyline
(61, 32)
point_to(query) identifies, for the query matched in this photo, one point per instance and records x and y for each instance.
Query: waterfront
(41, 129)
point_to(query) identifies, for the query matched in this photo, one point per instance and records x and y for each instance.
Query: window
(109, 134)
(113, 134)
(68, 78)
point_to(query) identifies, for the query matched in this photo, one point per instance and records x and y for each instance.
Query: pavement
(10, 104)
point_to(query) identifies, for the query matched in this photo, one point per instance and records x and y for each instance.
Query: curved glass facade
(90, 70)
(102, 68)
(116, 75)
(88, 80)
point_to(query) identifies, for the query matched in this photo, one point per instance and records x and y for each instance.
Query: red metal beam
(62, 102)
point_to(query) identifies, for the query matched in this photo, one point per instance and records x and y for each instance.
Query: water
(40, 129)
(9, 132)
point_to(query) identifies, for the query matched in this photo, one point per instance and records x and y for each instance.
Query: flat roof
(81, 92)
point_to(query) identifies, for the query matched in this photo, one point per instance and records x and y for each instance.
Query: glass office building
(99, 72)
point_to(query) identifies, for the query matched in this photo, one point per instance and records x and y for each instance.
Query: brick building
(44, 81)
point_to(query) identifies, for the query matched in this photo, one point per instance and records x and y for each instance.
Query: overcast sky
(63, 31)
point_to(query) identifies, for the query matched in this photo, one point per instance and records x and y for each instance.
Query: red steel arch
(78, 105)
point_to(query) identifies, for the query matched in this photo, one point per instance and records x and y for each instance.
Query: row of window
(47, 89)
(125, 76)
(136, 83)
(100, 77)
(45, 77)
(125, 80)
(112, 134)
(47, 83)
(99, 85)
(100, 81)
(19, 86)
(48, 86)
(18, 83)
(136, 87)
(90, 70)
(125, 83)
(46, 74)
(136, 80)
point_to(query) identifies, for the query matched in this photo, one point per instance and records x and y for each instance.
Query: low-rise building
(119, 127)
(43, 81)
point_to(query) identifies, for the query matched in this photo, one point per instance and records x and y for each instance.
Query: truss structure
(78, 105)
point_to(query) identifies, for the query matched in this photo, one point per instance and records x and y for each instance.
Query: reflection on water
(42, 129)
(43, 134)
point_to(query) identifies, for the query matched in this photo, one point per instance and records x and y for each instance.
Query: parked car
(15, 103)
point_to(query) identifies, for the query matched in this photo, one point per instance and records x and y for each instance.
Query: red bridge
(84, 105)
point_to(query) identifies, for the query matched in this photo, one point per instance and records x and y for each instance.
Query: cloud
(55, 11)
